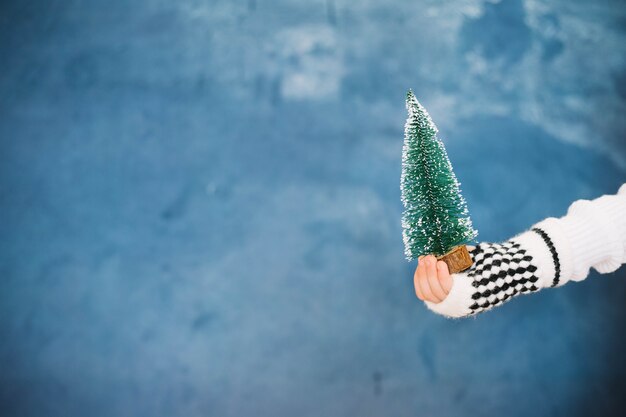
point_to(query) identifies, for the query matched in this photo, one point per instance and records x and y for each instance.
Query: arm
(549, 254)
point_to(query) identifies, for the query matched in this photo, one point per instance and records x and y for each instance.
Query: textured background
(200, 205)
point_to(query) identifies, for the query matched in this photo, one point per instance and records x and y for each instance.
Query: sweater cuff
(542, 247)
(561, 253)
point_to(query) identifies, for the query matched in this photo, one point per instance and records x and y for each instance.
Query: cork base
(458, 259)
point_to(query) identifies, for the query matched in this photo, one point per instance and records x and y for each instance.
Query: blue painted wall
(200, 205)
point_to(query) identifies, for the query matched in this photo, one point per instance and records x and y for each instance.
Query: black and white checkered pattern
(500, 271)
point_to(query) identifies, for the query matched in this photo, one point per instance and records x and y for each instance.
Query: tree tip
(411, 100)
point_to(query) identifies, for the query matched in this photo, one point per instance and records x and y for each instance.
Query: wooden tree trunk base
(458, 259)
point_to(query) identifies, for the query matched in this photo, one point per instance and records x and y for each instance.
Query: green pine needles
(435, 217)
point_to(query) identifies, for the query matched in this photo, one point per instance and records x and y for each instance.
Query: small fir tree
(435, 219)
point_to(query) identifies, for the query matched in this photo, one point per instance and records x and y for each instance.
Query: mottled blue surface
(200, 205)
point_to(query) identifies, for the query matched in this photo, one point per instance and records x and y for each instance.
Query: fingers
(433, 278)
(421, 282)
(445, 279)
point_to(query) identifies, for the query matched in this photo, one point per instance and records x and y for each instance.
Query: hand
(432, 279)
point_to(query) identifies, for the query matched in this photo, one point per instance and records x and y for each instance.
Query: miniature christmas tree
(435, 220)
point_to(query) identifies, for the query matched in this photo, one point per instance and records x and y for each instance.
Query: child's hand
(432, 279)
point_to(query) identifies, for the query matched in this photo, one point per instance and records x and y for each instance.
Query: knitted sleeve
(552, 252)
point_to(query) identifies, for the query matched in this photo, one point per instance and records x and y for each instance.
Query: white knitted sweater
(551, 253)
